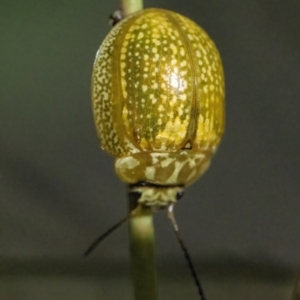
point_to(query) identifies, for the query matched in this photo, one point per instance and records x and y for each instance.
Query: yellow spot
(146, 56)
(125, 112)
(140, 36)
(145, 88)
(150, 172)
(156, 57)
(190, 37)
(163, 97)
(183, 63)
(157, 42)
(160, 108)
(173, 48)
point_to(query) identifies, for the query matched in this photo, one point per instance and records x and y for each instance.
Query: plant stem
(141, 230)
(130, 6)
(143, 265)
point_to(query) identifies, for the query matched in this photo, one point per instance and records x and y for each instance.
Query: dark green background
(58, 190)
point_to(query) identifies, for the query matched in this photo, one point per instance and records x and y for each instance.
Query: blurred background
(58, 190)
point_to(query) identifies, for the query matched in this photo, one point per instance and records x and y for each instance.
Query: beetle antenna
(104, 235)
(185, 251)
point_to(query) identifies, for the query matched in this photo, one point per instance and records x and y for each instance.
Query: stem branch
(130, 6)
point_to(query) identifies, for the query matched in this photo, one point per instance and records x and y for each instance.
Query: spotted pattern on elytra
(111, 135)
(210, 85)
(163, 86)
(154, 79)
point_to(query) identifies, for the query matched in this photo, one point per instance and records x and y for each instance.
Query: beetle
(158, 102)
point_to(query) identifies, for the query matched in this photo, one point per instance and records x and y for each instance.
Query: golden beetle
(158, 102)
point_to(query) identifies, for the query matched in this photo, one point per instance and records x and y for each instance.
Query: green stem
(130, 6)
(141, 230)
(143, 265)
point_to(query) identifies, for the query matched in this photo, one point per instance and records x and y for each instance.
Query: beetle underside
(155, 196)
